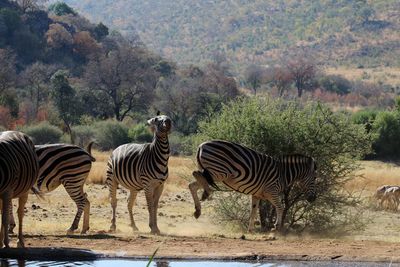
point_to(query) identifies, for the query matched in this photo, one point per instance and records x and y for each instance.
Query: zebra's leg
(86, 214)
(21, 205)
(131, 203)
(149, 192)
(113, 199)
(254, 208)
(157, 194)
(78, 196)
(12, 220)
(279, 213)
(5, 219)
(194, 187)
(198, 175)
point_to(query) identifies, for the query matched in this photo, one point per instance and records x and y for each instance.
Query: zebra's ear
(158, 113)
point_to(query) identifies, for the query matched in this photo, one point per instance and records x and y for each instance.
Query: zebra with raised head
(246, 171)
(18, 173)
(141, 167)
(68, 165)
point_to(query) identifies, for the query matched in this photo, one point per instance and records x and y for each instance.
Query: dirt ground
(184, 237)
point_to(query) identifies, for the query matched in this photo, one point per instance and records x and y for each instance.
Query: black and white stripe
(247, 171)
(141, 166)
(68, 165)
(18, 173)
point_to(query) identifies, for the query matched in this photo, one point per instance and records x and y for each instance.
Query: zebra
(141, 166)
(68, 165)
(246, 171)
(18, 172)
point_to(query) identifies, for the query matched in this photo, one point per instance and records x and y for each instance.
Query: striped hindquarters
(18, 163)
(125, 164)
(62, 163)
(240, 168)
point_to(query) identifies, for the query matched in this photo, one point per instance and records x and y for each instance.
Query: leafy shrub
(365, 116)
(43, 133)
(276, 127)
(140, 133)
(181, 144)
(111, 134)
(83, 134)
(387, 129)
(61, 8)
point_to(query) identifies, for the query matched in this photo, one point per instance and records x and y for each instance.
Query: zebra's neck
(160, 145)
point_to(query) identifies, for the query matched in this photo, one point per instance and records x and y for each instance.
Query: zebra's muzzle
(311, 197)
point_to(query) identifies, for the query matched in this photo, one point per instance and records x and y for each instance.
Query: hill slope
(343, 31)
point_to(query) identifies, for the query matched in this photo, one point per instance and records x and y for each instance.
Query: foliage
(43, 133)
(140, 133)
(64, 99)
(387, 128)
(61, 9)
(276, 127)
(257, 31)
(83, 134)
(335, 83)
(110, 134)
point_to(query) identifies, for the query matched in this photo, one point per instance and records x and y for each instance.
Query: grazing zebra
(141, 166)
(18, 173)
(247, 171)
(68, 165)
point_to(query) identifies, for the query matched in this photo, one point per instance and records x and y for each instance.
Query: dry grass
(374, 174)
(176, 208)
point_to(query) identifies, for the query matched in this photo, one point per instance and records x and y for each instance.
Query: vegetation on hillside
(354, 32)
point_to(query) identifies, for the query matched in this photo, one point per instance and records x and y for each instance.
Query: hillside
(359, 33)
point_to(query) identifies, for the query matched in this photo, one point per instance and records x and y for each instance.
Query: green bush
(43, 133)
(276, 127)
(83, 134)
(365, 116)
(140, 133)
(61, 8)
(110, 134)
(387, 129)
(181, 144)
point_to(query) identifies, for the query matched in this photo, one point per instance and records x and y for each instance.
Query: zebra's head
(160, 124)
(309, 181)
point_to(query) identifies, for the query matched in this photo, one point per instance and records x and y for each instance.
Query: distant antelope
(141, 167)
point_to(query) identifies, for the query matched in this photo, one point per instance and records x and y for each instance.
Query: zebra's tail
(37, 192)
(210, 180)
(89, 150)
(109, 174)
(206, 174)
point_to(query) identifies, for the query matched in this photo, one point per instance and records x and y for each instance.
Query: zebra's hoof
(20, 244)
(205, 195)
(113, 228)
(197, 214)
(155, 232)
(70, 232)
(84, 231)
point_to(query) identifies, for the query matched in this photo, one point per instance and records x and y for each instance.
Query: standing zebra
(68, 165)
(141, 166)
(247, 171)
(18, 173)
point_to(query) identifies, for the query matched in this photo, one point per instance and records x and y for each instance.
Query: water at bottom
(163, 263)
